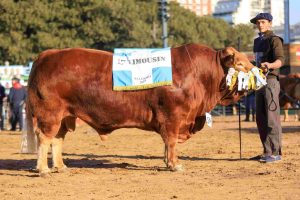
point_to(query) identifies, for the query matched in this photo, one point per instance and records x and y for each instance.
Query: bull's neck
(215, 90)
(223, 89)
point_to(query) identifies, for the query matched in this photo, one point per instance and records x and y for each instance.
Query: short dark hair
(15, 79)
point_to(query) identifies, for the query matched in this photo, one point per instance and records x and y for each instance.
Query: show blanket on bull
(135, 69)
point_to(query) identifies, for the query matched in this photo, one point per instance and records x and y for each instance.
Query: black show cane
(239, 103)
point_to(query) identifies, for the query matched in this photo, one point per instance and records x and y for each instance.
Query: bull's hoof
(177, 168)
(59, 169)
(45, 173)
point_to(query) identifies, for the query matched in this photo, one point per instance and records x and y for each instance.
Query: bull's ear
(229, 51)
(228, 56)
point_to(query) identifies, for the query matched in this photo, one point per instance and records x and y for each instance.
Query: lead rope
(272, 97)
(272, 101)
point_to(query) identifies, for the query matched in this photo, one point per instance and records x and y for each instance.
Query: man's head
(263, 21)
(15, 80)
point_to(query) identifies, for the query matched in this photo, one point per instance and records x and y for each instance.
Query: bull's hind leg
(58, 164)
(68, 124)
(46, 131)
(43, 147)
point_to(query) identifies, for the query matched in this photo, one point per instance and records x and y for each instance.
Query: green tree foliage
(28, 27)
(245, 33)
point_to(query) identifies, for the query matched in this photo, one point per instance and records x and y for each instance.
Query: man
(268, 49)
(250, 105)
(16, 97)
(2, 96)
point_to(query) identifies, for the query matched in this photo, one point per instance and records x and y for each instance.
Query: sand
(129, 165)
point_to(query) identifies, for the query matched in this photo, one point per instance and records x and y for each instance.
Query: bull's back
(79, 82)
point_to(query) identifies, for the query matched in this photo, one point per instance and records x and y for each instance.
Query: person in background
(2, 96)
(268, 50)
(250, 106)
(16, 97)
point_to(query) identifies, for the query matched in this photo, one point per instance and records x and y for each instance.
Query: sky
(294, 11)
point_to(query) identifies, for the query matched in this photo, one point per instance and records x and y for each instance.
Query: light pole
(163, 7)
(286, 22)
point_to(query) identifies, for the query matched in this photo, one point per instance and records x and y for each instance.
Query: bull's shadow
(254, 130)
(29, 164)
(93, 161)
(86, 162)
(153, 157)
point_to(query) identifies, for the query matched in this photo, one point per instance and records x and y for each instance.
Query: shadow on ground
(95, 161)
(285, 129)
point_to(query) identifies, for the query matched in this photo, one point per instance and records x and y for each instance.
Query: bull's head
(233, 62)
(232, 58)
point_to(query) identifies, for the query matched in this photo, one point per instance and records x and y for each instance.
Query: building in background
(199, 7)
(241, 11)
(294, 32)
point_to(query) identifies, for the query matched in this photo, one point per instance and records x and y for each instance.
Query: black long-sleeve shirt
(2, 94)
(17, 96)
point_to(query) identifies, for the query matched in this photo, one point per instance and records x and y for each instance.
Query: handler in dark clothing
(2, 96)
(16, 97)
(268, 49)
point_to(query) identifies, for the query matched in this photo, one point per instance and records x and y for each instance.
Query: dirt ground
(129, 165)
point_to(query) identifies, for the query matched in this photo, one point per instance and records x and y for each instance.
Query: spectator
(2, 96)
(16, 97)
(250, 106)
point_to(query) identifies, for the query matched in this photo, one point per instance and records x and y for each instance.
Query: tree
(28, 27)
(245, 33)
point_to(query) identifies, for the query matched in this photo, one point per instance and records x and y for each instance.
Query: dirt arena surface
(129, 165)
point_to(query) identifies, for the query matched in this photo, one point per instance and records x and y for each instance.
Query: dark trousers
(16, 117)
(250, 105)
(1, 117)
(268, 117)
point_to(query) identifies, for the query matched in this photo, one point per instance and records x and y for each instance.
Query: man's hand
(266, 66)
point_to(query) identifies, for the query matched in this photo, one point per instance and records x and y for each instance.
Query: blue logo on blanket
(135, 69)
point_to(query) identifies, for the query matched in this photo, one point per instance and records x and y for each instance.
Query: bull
(77, 83)
(290, 93)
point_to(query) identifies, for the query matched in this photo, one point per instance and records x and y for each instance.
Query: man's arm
(274, 65)
(278, 54)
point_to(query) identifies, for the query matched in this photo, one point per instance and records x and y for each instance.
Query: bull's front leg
(171, 158)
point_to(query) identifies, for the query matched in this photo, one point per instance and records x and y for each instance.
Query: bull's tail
(29, 144)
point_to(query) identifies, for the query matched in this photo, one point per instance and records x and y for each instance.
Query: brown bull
(290, 87)
(77, 83)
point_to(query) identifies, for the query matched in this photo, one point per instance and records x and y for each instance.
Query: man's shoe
(256, 157)
(271, 159)
(263, 159)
